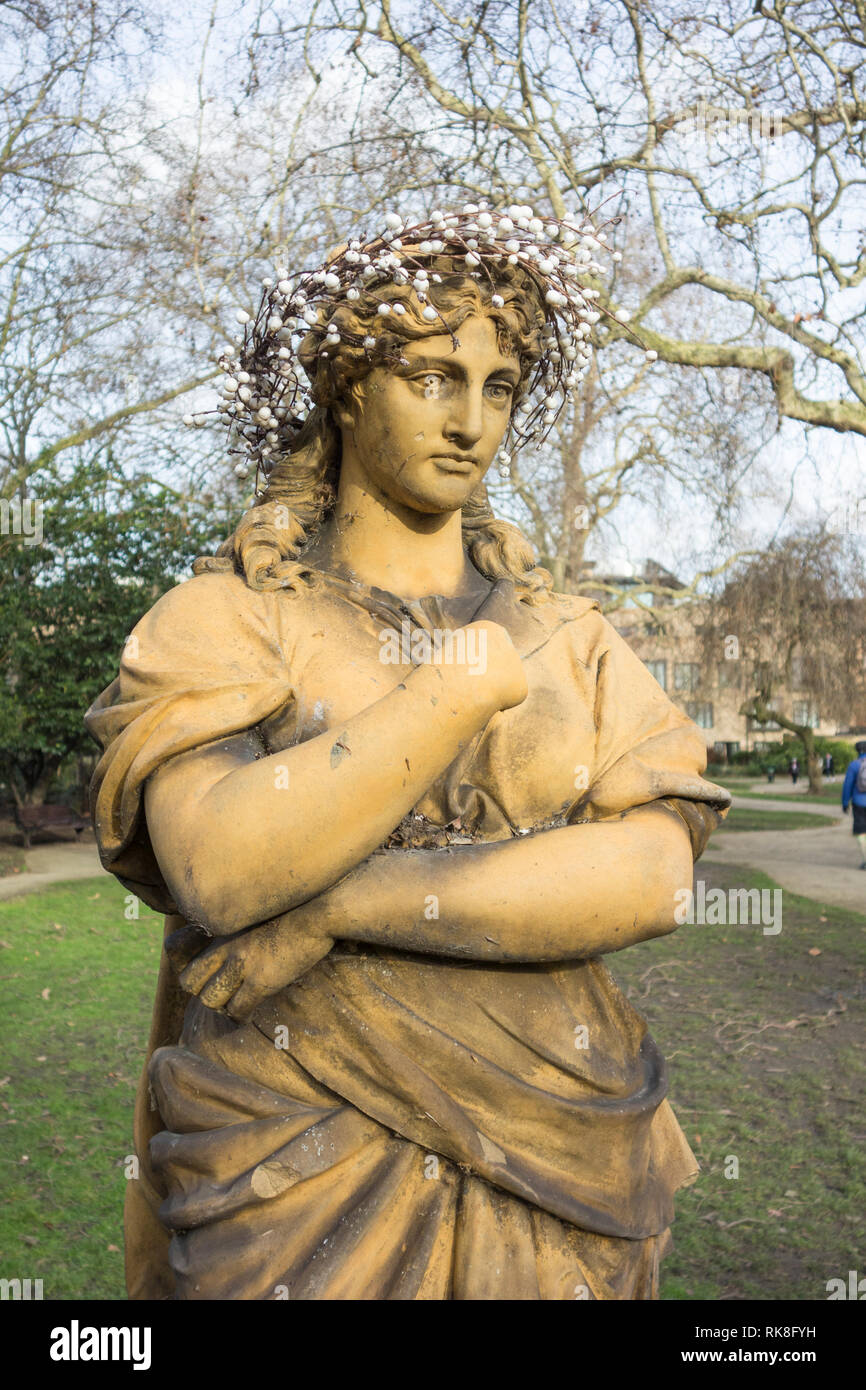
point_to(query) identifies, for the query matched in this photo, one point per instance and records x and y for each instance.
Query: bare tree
(798, 617)
(690, 441)
(738, 140)
(131, 232)
(69, 147)
(733, 144)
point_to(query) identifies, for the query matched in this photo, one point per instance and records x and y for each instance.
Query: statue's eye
(432, 384)
(500, 390)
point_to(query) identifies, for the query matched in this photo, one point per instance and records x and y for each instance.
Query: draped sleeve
(646, 749)
(210, 659)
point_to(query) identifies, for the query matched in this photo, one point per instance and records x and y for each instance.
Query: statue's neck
(386, 546)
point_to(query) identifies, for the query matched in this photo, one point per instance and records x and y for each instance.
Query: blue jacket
(848, 786)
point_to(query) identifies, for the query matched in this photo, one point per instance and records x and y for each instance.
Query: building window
(701, 712)
(754, 725)
(687, 675)
(730, 675)
(762, 676)
(659, 671)
(802, 712)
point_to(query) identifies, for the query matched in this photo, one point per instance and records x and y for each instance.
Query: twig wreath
(307, 321)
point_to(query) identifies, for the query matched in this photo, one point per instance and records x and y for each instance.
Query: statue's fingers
(245, 1001)
(202, 969)
(220, 989)
(207, 966)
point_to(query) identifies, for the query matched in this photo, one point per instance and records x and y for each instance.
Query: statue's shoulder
(217, 609)
(574, 607)
(210, 599)
(591, 634)
(221, 594)
(582, 614)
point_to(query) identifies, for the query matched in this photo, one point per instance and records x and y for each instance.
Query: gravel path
(53, 863)
(822, 863)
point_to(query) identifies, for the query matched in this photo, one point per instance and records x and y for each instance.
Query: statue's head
(416, 358)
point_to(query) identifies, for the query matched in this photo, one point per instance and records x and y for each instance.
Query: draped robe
(394, 1125)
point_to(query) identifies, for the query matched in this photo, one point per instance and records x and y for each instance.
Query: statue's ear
(344, 414)
(345, 411)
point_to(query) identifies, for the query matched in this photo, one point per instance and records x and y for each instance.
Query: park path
(822, 863)
(783, 787)
(787, 803)
(54, 863)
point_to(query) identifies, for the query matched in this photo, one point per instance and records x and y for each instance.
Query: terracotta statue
(397, 800)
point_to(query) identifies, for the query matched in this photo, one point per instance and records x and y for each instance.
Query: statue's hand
(236, 973)
(488, 669)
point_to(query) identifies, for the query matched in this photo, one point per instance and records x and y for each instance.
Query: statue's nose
(466, 417)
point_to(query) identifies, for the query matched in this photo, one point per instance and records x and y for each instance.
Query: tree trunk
(31, 782)
(760, 711)
(576, 512)
(37, 793)
(813, 766)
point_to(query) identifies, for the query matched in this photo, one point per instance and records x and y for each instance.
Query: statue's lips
(455, 465)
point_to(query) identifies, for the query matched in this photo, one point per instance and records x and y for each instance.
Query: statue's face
(424, 435)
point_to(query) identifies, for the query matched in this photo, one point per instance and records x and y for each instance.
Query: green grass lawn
(11, 860)
(766, 1046)
(78, 981)
(740, 818)
(767, 1060)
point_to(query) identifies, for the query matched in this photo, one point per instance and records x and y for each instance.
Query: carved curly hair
(268, 544)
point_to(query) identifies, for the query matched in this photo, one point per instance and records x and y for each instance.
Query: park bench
(30, 818)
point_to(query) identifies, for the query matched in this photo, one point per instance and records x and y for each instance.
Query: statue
(398, 800)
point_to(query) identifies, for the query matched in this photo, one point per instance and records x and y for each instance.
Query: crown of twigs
(267, 393)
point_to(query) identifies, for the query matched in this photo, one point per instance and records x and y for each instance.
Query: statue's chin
(446, 492)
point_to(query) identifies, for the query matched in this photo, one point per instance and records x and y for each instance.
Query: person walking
(854, 795)
(794, 769)
(828, 765)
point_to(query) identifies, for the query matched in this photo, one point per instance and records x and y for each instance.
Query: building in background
(709, 687)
